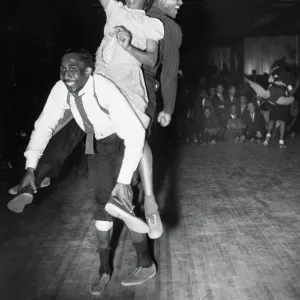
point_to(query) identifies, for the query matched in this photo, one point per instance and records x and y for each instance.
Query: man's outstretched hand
(124, 193)
(164, 119)
(28, 180)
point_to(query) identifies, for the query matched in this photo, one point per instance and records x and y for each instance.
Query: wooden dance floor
(232, 232)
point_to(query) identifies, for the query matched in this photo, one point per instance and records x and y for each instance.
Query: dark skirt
(279, 113)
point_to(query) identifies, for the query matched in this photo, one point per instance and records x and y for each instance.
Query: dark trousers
(207, 136)
(57, 151)
(104, 169)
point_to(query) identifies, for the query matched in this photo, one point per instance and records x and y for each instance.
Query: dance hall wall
(261, 52)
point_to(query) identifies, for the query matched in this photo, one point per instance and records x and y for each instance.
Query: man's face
(220, 89)
(212, 91)
(73, 72)
(243, 100)
(207, 113)
(171, 7)
(232, 91)
(204, 95)
(233, 109)
(251, 108)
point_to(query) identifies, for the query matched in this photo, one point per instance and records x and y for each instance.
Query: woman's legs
(146, 173)
(282, 133)
(150, 205)
(268, 136)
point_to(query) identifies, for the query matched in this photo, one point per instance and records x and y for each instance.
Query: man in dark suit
(231, 99)
(220, 109)
(255, 124)
(241, 108)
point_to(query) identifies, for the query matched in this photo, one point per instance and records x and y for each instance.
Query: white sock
(281, 142)
(268, 135)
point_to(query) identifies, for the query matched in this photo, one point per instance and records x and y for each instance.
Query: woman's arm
(147, 57)
(260, 91)
(285, 100)
(104, 3)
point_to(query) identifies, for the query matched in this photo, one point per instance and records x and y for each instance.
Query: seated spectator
(232, 97)
(211, 127)
(212, 92)
(199, 105)
(189, 127)
(219, 106)
(205, 102)
(255, 124)
(242, 108)
(235, 127)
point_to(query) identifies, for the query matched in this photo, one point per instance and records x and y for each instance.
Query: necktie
(88, 126)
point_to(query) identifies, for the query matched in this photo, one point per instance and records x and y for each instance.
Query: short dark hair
(84, 56)
(148, 4)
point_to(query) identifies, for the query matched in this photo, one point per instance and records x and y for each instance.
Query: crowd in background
(221, 109)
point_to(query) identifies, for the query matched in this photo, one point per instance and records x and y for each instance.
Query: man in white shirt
(120, 138)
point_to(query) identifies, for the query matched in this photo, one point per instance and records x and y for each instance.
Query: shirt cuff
(31, 162)
(125, 176)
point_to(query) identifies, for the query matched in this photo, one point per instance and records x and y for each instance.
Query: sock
(104, 261)
(150, 205)
(104, 249)
(281, 142)
(268, 135)
(143, 256)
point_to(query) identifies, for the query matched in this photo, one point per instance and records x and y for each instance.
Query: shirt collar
(140, 11)
(88, 88)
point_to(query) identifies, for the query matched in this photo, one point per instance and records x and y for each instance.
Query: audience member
(211, 127)
(235, 126)
(255, 124)
(232, 97)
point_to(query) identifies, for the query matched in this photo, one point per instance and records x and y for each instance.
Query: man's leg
(56, 152)
(282, 129)
(104, 168)
(268, 136)
(102, 181)
(145, 268)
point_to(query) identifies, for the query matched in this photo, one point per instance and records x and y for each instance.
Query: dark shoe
(24, 198)
(117, 209)
(139, 276)
(97, 287)
(14, 190)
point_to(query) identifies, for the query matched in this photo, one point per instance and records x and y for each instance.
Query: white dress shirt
(121, 120)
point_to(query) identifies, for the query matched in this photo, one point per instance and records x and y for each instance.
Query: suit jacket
(206, 103)
(258, 124)
(216, 101)
(241, 114)
(229, 102)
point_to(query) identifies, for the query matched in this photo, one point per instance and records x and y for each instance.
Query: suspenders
(95, 95)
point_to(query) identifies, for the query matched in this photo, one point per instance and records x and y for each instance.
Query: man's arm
(129, 128)
(45, 125)
(170, 65)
